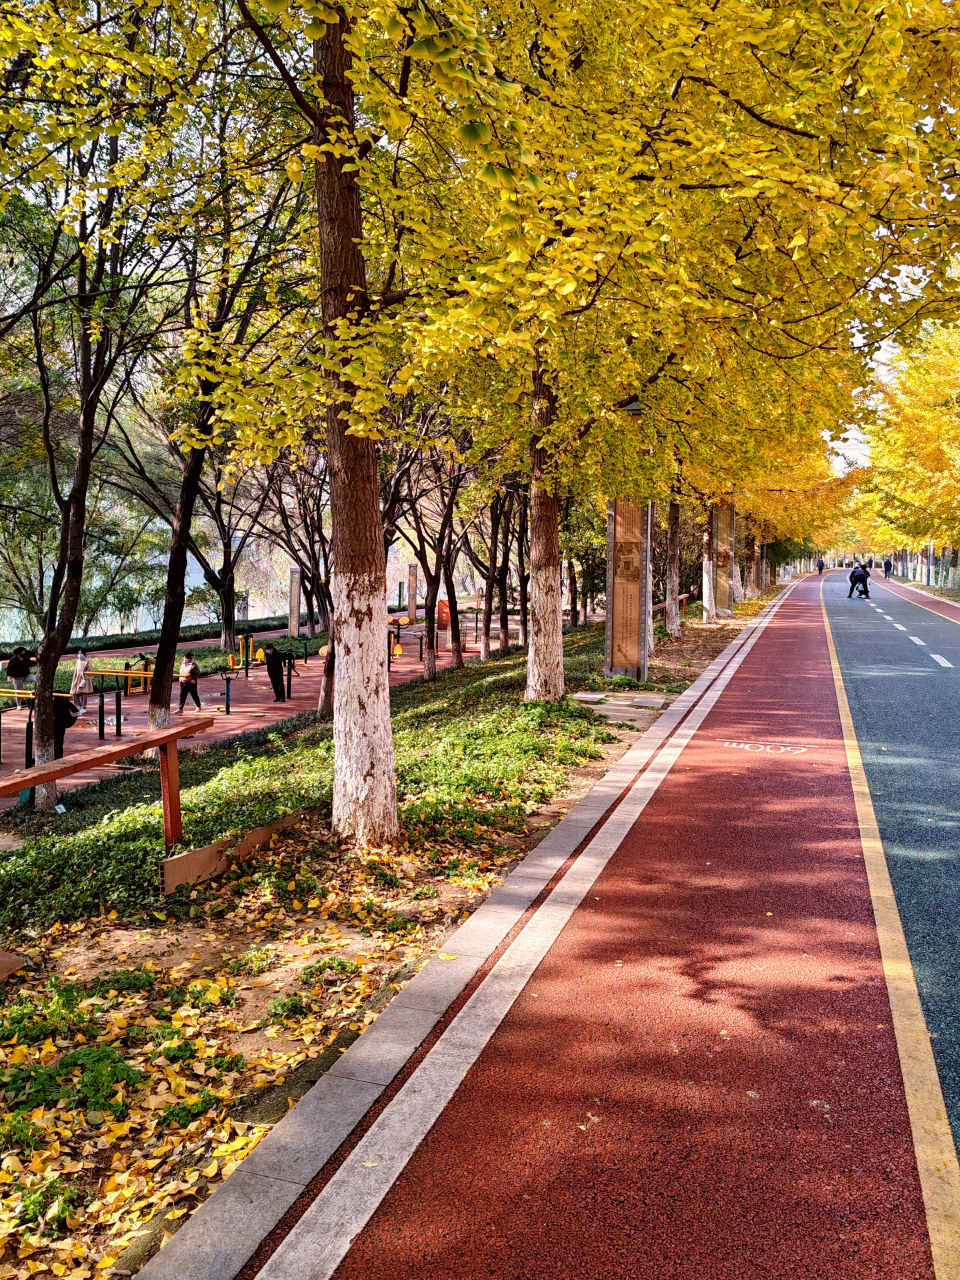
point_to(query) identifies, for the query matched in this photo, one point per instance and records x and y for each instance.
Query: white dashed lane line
(917, 640)
(888, 618)
(943, 662)
(898, 626)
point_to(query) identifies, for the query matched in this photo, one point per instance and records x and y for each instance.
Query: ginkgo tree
(590, 201)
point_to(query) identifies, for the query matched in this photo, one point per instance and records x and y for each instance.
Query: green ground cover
(471, 756)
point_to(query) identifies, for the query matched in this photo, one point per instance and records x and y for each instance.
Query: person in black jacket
(887, 567)
(65, 713)
(860, 579)
(18, 669)
(275, 664)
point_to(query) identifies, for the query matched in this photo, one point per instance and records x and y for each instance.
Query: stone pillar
(412, 593)
(629, 622)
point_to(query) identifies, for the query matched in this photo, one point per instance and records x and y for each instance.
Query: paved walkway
(683, 1041)
(252, 707)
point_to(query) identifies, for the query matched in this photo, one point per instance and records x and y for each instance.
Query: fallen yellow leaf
(210, 1170)
(444, 956)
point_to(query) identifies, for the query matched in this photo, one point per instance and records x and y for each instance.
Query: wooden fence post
(170, 791)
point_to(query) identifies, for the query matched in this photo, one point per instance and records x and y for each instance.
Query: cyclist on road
(859, 579)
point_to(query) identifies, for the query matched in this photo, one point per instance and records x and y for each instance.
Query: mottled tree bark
(456, 639)
(672, 610)
(523, 573)
(709, 568)
(751, 588)
(161, 685)
(364, 790)
(545, 678)
(325, 703)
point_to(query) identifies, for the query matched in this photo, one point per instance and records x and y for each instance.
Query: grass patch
(471, 755)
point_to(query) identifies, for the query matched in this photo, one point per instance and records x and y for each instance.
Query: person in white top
(82, 683)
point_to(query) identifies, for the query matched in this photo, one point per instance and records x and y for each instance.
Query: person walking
(189, 675)
(820, 566)
(859, 579)
(275, 663)
(18, 669)
(887, 567)
(82, 682)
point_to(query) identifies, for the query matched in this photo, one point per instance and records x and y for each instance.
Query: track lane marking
(910, 600)
(933, 1143)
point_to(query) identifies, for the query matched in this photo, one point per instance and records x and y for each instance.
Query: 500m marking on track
(774, 748)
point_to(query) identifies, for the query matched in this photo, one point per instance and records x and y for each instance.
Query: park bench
(164, 739)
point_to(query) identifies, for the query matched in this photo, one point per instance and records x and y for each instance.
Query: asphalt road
(906, 709)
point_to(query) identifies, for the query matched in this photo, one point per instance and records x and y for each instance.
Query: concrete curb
(225, 1231)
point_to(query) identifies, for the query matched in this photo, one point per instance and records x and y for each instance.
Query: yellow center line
(910, 600)
(932, 1138)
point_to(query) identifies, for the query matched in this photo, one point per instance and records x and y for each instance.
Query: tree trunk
(545, 676)
(572, 600)
(456, 639)
(672, 593)
(311, 620)
(952, 580)
(523, 572)
(430, 628)
(324, 606)
(709, 568)
(364, 789)
(503, 576)
(228, 611)
(736, 585)
(162, 683)
(325, 704)
(750, 588)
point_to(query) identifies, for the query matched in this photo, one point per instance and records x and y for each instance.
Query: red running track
(946, 608)
(700, 1082)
